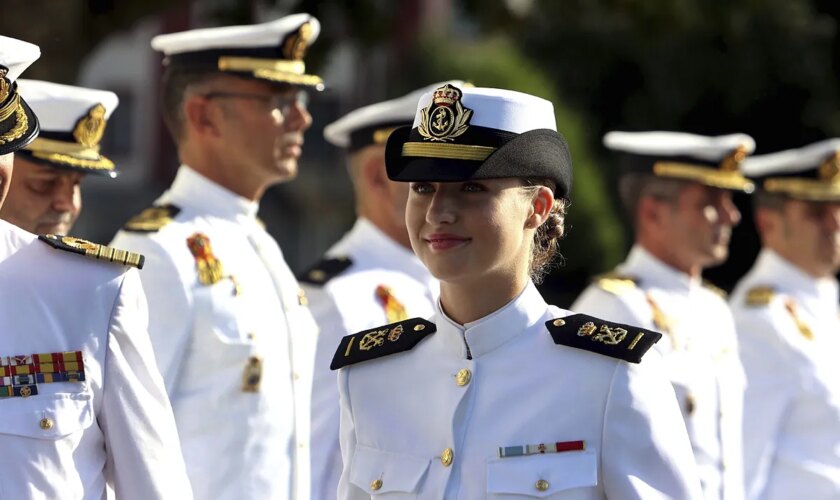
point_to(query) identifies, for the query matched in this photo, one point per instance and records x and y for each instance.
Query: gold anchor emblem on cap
(445, 118)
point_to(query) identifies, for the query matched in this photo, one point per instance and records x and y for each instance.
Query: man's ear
(647, 212)
(373, 174)
(201, 117)
(541, 205)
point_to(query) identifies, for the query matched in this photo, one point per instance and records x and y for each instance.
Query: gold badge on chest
(252, 375)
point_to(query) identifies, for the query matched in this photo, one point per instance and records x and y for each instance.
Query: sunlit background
(768, 68)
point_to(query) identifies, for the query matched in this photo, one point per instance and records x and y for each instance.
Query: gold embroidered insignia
(91, 127)
(610, 336)
(445, 118)
(209, 268)
(252, 376)
(760, 295)
(394, 310)
(830, 169)
(394, 334)
(616, 284)
(372, 339)
(587, 329)
(152, 219)
(295, 45)
(95, 250)
(733, 161)
(4, 84)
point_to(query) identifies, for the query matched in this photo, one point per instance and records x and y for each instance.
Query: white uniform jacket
(699, 348)
(789, 333)
(235, 346)
(348, 303)
(68, 439)
(428, 423)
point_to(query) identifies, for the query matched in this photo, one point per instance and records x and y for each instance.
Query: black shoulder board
(324, 270)
(625, 342)
(151, 219)
(382, 341)
(94, 250)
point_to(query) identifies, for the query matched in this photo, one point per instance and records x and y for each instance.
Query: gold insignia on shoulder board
(587, 329)
(91, 127)
(95, 250)
(610, 336)
(760, 296)
(372, 339)
(445, 118)
(252, 375)
(395, 333)
(152, 219)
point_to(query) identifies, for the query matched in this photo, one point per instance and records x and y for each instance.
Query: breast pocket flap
(46, 416)
(540, 476)
(377, 472)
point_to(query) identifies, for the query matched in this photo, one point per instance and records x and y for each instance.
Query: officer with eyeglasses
(232, 335)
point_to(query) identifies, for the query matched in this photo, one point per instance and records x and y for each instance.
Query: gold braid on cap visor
(278, 70)
(714, 177)
(21, 121)
(804, 189)
(73, 154)
(447, 151)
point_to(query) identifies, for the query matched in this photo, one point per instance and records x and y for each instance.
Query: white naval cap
(373, 124)
(809, 173)
(709, 160)
(480, 133)
(18, 124)
(72, 122)
(272, 51)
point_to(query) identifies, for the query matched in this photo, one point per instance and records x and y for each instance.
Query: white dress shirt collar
(818, 294)
(193, 190)
(651, 271)
(492, 331)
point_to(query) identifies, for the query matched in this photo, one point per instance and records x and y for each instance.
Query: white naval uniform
(700, 355)
(347, 304)
(71, 438)
(792, 405)
(236, 444)
(400, 412)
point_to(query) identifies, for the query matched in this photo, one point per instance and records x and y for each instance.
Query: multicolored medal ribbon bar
(20, 375)
(536, 449)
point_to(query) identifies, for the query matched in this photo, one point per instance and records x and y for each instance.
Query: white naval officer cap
(18, 124)
(480, 133)
(72, 122)
(373, 124)
(713, 161)
(810, 173)
(272, 51)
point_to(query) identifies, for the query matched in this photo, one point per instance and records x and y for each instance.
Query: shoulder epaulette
(324, 270)
(615, 283)
(616, 340)
(760, 295)
(382, 341)
(95, 250)
(152, 219)
(717, 291)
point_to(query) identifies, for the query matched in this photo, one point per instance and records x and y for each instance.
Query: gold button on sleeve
(46, 423)
(446, 457)
(376, 484)
(463, 377)
(542, 485)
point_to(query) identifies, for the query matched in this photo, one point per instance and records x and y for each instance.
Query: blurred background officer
(231, 335)
(786, 315)
(368, 278)
(45, 194)
(678, 190)
(81, 401)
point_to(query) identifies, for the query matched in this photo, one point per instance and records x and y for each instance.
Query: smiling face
(474, 231)
(43, 199)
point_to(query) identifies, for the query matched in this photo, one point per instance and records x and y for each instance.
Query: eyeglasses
(279, 102)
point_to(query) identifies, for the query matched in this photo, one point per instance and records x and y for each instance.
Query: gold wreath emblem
(294, 47)
(89, 129)
(4, 84)
(445, 118)
(830, 169)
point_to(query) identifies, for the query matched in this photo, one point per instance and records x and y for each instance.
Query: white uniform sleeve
(772, 381)
(144, 455)
(170, 304)
(646, 451)
(347, 438)
(326, 456)
(631, 308)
